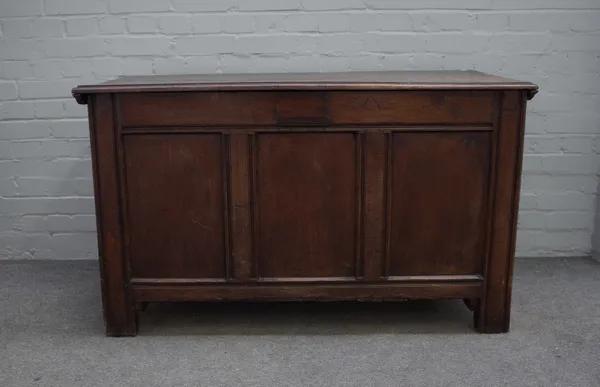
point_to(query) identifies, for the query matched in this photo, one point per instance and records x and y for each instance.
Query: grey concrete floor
(51, 334)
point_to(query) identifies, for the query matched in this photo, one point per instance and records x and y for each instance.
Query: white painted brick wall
(48, 46)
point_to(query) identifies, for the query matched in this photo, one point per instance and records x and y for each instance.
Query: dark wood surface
(318, 108)
(118, 302)
(165, 191)
(307, 204)
(438, 202)
(378, 80)
(360, 192)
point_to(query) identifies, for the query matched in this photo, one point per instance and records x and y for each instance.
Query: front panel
(438, 200)
(306, 204)
(175, 205)
(292, 202)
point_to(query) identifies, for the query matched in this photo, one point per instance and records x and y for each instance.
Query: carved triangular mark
(371, 103)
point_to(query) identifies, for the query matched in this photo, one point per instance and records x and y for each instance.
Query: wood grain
(439, 189)
(496, 306)
(281, 108)
(348, 81)
(241, 207)
(375, 173)
(264, 292)
(119, 312)
(306, 204)
(384, 107)
(176, 223)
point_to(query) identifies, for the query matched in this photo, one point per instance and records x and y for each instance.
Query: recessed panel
(306, 204)
(438, 203)
(175, 206)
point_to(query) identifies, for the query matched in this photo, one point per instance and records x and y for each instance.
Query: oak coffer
(345, 186)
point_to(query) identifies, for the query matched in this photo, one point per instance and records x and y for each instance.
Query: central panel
(307, 204)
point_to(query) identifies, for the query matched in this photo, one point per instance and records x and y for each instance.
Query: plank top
(374, 80)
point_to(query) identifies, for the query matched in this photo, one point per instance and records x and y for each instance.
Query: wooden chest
(352, 186)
